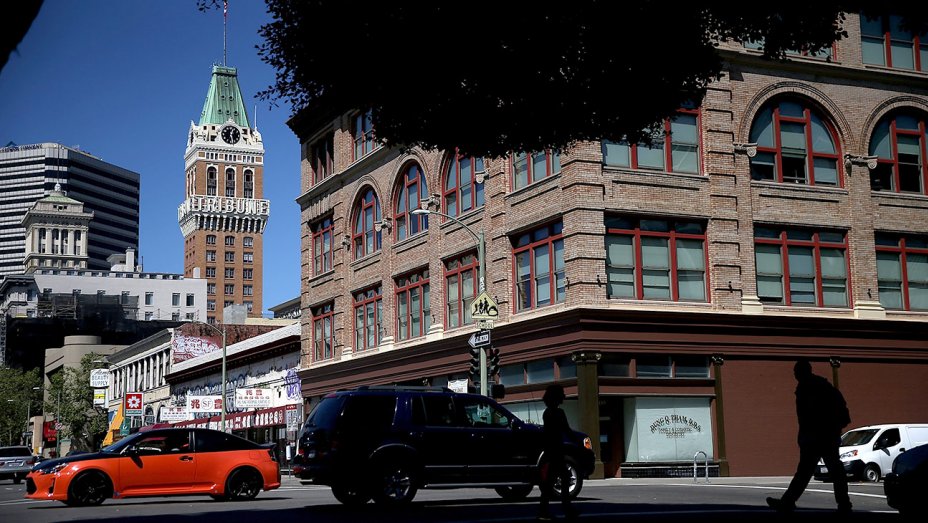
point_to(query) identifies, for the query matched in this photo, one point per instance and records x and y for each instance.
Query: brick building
(669, 288)
(223, 215)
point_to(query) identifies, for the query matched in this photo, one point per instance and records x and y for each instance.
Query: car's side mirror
(131, 451)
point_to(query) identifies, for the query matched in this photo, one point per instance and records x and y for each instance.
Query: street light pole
(58, 423)
(222, 331)
(481, 280)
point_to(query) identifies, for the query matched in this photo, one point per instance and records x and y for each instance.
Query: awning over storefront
(115, 426)
(270, 417)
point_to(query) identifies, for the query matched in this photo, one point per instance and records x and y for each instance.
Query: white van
(868, 452)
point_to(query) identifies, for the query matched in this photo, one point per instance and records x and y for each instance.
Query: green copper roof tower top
(224, 99)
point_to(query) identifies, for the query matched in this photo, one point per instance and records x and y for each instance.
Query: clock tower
(223, 215)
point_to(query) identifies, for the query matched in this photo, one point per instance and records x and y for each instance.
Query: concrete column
(717, 362)
(588, 401)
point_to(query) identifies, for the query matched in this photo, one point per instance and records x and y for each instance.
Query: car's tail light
(272, 453)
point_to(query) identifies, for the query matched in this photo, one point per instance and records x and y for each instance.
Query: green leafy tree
(82, 422)
(17, 388)
(490, 77)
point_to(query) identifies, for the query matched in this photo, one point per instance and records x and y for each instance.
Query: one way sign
(479, 339)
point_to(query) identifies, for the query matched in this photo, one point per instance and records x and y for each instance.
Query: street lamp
(222, 417)
(481, 278)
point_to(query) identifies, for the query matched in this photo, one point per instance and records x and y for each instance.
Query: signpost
(479, 339)
(134, 405)
(484, 308)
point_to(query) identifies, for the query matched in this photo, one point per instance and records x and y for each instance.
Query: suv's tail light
(587, 443)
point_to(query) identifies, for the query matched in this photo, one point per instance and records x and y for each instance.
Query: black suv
(386, 443)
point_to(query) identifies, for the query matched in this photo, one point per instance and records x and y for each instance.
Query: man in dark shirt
(822, 414)
(554, 466)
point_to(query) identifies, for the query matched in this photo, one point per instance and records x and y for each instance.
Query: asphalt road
(657, 500)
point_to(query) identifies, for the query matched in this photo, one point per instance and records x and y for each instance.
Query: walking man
(554, 467)
(822, 414)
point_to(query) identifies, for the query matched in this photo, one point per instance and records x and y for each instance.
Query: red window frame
(811, 155)
(323, 245)
(456, 269)
(372, 296)
(637, 234)
(411, 181)
(816, 244)
(668, 145)
(888, 42)
(554, 234)
(363, 135)
(452, 172)
(894, 132)
(406, 286)
(903, 250)
(323, 316)
(531, 176)
(322, 157)
(367, 201)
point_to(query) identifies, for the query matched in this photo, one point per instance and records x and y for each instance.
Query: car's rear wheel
(88, 488)
(352, 494)
(576, 480)
(515, 492)
(395, 483)
(243, 484)
(871, 473)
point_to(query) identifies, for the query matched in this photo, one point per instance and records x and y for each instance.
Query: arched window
(411, 190)
(365, 239)
(230, 182)
(794, 145)
(249, 184)
(462, 192)
(899, 144)
(211, 181)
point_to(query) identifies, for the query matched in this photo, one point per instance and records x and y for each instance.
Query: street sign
(479, 339)
(100, 378)
(134, 404)
(484, 325)
(484, 308)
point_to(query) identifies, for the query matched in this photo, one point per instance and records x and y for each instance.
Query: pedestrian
(554, 465)
(822, 414)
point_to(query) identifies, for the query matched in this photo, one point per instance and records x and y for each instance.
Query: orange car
(161, 462)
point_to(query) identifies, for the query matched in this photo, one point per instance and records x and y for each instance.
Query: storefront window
(541, 371)
(667, 429)
(614, 366)
(566, 368)
(512, 375)
(653, 367)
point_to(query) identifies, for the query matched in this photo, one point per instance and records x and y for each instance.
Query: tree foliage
(19, 401)
(493, 77)
(82, 422)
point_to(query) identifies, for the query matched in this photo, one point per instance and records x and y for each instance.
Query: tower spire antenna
(225, 20)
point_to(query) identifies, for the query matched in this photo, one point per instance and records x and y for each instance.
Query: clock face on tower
(230, 134)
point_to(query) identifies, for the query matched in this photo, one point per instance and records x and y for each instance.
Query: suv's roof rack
(417, 388)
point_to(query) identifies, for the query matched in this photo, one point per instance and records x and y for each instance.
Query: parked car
(906, 485)
(16, 462)
(869, 452)
(161, 462)
(386, 443)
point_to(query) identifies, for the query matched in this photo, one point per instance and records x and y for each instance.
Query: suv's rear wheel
(351, 494)
(515, 492)
(576, 480)
(394, 483)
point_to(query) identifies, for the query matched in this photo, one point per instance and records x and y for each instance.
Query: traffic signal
(475, 361)
(492, 361)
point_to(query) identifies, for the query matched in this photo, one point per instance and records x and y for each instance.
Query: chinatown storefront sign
(204, 404)
(271, 417)
(172, 414)
(252, 398)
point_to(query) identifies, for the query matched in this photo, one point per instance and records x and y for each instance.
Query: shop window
(653, 367)
(539, 371)
(616, 366)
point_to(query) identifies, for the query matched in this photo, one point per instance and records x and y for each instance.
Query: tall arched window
(211, 181)
(462, 192)
(899, 144)
(365, 239)
(249, 184)
(230, 182)
(794, 145)
(411, 190)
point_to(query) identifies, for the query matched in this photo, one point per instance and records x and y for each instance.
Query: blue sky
(123, 79)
